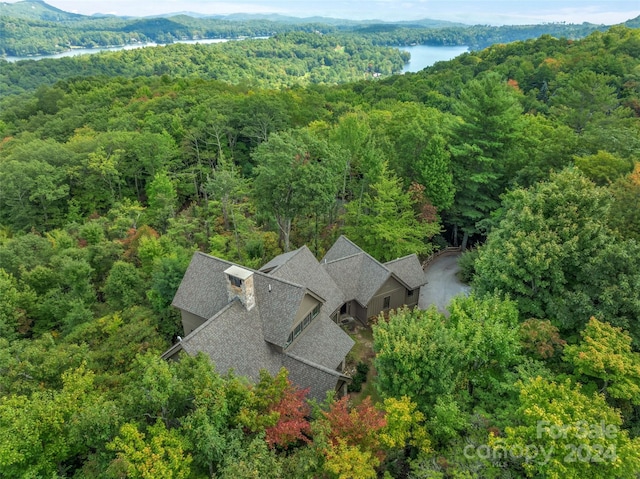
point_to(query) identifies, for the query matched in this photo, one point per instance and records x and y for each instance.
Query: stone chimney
(240, 285)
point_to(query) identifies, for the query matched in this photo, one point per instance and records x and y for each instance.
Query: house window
(297, 330)
(386, 302)
(302, 325)
(237, 282)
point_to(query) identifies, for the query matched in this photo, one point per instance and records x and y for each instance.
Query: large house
(286, 314)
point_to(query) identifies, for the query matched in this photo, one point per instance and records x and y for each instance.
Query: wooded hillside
(112, 177)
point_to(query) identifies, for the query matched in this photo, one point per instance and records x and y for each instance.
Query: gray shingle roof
(346, 273)
(203, 290)
(233, 342)
(278, 302)
(317, 379)
(248, 341)
(360, 276)
(342, 248)
(323, 343)
(278, 261)
(302, 267)
(408, 270)
(372, 276)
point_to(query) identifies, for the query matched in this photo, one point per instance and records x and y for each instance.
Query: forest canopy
(114, 173)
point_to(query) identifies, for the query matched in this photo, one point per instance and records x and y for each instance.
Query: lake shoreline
(422, 56)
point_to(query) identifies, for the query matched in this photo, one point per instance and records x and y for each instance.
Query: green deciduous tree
(49, 429)
(122, 288)
(575, 435)
(426, 356)
(610, 288)
(163, 200)
(33, 194)
(354, 134)
(605, 353)
(416, 356)
(624, 219)
(249, 458)
(539, 251)
(415, 140)
(603, 168)
(13, 318)
(158, 453)
(485, 329)
(297, 173)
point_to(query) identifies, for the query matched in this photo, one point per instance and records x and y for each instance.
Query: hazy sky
(465, 11)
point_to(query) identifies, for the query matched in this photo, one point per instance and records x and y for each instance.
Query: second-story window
(302, 325)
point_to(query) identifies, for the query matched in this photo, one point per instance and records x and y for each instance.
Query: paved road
(442, 283)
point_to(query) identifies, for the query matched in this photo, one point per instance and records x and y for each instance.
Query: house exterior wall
(306, 306)
(358, 311)
(412, 301)
(190, 322)
(392, 289)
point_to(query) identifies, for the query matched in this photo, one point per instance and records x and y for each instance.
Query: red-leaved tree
(293, 425)
(358, 426)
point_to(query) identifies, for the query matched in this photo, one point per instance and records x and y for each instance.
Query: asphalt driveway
(442, 283)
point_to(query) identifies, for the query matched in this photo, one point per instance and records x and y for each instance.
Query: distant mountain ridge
(37, 10)
(40, 10)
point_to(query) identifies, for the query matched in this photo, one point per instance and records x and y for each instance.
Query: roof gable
(323, 343)
(359, 276)
(346, 274)
(372, 276)
(278, 261)
(342, 248)
(203, 289)
(408, 270)
(303, 268)
(278, 302)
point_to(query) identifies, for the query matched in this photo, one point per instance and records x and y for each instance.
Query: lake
(422, 56)
(88, 51)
